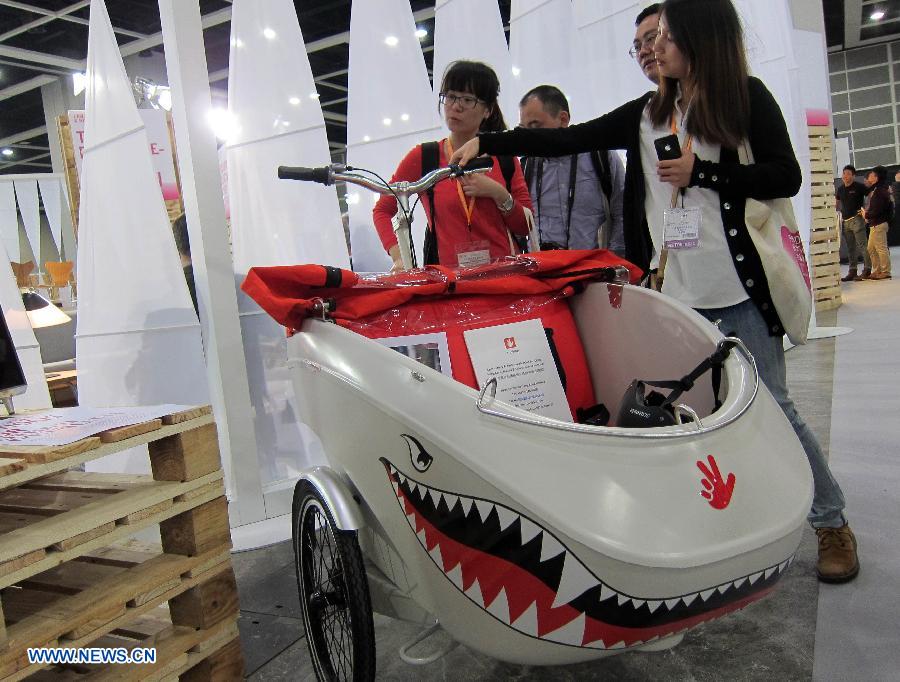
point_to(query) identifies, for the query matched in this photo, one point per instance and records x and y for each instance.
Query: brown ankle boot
(838, 560)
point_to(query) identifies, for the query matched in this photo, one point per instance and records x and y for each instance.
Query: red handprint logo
(716, 489)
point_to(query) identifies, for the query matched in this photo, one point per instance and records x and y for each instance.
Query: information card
(518, 356)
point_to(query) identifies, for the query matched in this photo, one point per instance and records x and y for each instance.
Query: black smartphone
(667, 148)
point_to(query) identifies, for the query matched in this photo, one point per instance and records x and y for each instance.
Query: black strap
(604, 172)
(431, 158)
(714, 362)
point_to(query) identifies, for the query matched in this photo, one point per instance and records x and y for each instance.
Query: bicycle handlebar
(328, 175)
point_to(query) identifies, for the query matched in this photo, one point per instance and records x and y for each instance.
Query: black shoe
(850, 277)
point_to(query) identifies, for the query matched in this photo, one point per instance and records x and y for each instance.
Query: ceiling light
(269, 33)
(314, 95)
(877, 15)
(391, 41)
(366, 138)
(516, 71)
(386, 121)
(294, 101)
(421, 33)
(7, 152)
(223, 123)
(164, 98)
(404, 117)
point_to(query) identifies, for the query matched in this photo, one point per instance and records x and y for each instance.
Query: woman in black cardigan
(708, 100)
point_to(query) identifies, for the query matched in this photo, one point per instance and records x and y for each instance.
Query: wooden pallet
(824, 235)
(67, 581)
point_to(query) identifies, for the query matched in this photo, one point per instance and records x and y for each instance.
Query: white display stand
(213, 267)
(276, 222)
(138, 338)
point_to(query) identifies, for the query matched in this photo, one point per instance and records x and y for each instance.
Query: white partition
(9, 221)
(390, 109)
(138, 338)
(605, 31)
(36, 396)
(473, 29)
(276, 222)
(549, 24)
(52, 192)
(29, 208)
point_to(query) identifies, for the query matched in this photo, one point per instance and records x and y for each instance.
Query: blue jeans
(745, 321)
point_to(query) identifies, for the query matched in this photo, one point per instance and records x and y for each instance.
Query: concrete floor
(773, 639)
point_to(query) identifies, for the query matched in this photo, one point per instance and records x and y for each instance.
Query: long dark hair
(479, 79)
(709, 35)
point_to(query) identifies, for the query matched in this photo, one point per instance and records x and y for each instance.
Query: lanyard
(468, 208)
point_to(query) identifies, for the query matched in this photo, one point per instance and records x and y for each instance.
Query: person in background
(849, 198)
(646, 30)
(578, 198)
(877, 216)
(470, 218)
(183, 244)
(707, 98)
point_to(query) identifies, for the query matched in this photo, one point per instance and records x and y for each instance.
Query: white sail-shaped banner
(605, 31)
(473, 29)
(9, 220)
(36, 396)
(549, 24)
(54, 205)
(278, 121)
(29, 208)
(390, 109)
(138, 338)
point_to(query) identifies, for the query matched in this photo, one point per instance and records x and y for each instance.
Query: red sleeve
(515, 219)
(410, 169)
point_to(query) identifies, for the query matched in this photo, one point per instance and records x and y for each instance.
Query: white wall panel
(390, 109)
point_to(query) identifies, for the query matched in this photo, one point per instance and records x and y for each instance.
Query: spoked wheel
(334, 593)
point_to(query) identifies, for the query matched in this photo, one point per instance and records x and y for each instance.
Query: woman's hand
(394, 253)
(466, 153)
(480, 185)
(677, 172)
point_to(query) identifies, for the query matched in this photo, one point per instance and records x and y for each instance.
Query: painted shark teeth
(575, 582)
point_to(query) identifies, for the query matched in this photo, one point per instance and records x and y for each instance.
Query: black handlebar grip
(321, 175)
(477, 163)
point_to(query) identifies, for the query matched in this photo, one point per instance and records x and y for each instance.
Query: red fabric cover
(290, 293)
(454, 315)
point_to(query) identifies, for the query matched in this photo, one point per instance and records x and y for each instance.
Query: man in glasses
(578, 198)
(647, 27)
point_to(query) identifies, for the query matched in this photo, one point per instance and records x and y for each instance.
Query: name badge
(681, 228)
(473, 254)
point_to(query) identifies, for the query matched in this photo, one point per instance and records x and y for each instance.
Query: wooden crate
(67, 579)
(824, 233)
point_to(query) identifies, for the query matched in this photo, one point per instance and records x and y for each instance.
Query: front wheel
(334, 593)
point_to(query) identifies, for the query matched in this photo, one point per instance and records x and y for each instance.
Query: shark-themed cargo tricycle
(534, 539)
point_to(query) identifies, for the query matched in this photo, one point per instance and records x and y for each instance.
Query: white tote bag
(773, 229)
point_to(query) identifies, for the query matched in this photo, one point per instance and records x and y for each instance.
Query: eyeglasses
(464, 101)
(645, 43)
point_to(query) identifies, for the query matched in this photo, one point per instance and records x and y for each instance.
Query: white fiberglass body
(541, 542)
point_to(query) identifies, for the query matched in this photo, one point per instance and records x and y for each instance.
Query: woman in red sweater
(474, 214)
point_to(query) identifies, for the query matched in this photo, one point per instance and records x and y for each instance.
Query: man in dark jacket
(877, 215)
